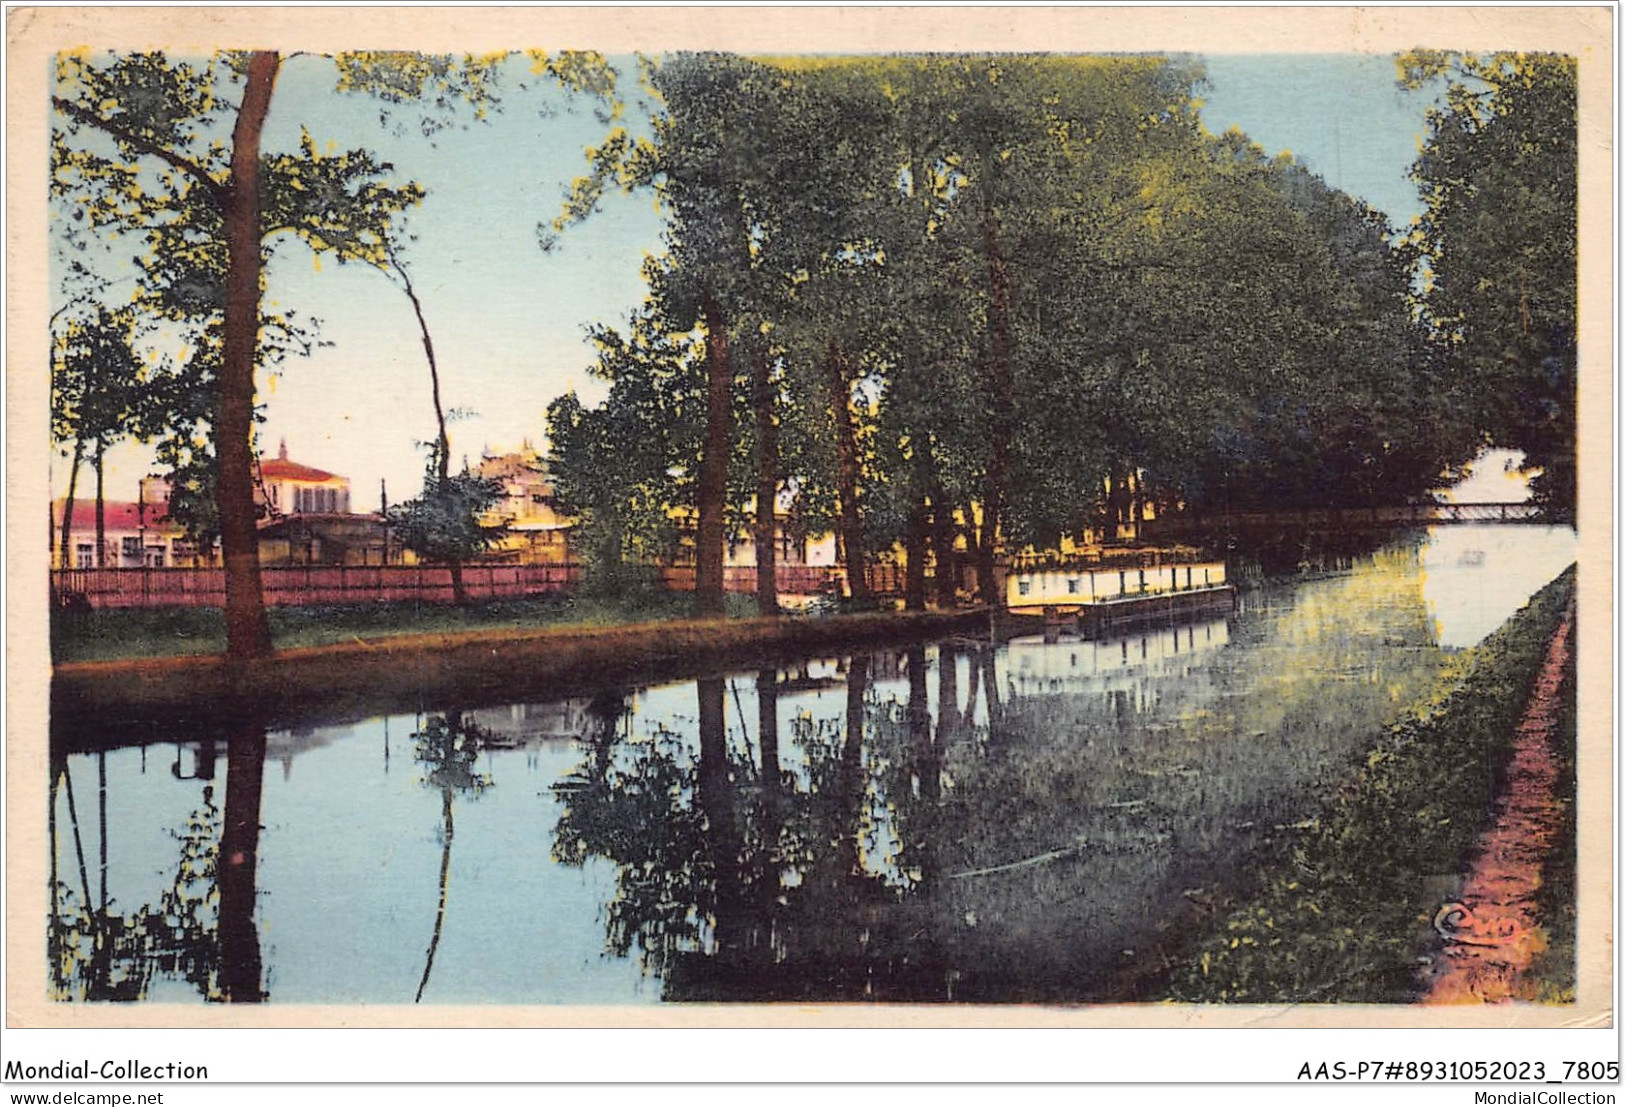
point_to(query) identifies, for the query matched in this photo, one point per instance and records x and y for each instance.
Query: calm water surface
(950, 821)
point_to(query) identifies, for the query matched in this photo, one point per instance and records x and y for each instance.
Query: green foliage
(612, 804)
(1340, 915)
(1047, 282)
(102, 389)
(144, 154)
(1496, 250)
(449, 521)
(627, 468)
(448, 747)
(129, 633)
(101, 954)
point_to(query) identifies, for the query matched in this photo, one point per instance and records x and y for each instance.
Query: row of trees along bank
(995, 300)
(923, 300)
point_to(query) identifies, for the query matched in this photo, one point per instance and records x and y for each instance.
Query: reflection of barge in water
(1068, 664)
(1104, 599)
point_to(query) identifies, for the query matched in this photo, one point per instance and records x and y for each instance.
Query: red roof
(276, 468)
(116, 515)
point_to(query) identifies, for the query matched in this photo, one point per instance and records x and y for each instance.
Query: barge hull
(1097, 619)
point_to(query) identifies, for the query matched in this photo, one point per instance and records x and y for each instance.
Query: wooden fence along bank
(328, 585)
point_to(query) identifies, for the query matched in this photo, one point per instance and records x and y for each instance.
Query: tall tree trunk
(459, 594)
(447, 829)
(763, 399)
(248, 631)
(927, 753)
(987, 656)
(101, 507)
(1001, 401)
(846, 471)
(942, 548)
(714, 801)
(849, 829)
(56, 935)
(767, 724)
(987, 590)
(239, 852)
(101, 826)
(948, 718)
(768, 863)
(713, 491)
(66, 560)
(916, 538)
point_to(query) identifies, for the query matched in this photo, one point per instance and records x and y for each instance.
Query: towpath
(1495, 932)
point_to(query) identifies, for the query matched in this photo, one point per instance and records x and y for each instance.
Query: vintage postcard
(1025, 517)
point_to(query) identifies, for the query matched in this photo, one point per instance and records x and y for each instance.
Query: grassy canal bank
(130, 633)
(500, 663)
(1345, 910)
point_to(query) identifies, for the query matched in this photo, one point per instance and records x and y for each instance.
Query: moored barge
(1099, 600)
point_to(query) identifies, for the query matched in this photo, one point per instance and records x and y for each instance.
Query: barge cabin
(1103, 598)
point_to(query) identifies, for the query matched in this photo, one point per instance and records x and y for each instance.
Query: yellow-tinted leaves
(393, 75)
(340, 202)
(144, 98)
(584, 71)
(621, 160)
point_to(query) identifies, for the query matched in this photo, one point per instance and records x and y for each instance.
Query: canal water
(959, 820)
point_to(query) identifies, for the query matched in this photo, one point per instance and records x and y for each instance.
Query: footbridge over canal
(1178, 525)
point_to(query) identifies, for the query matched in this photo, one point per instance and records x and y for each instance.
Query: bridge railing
(1343, 518)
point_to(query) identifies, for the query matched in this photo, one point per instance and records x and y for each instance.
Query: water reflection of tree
(632, 804)
(448, 747)
(740, 880)
(201, 929)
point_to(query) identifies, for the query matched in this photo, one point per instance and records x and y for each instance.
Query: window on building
(85, 555)
(155, 557)
(1072, 587)
(132, 547)
(1024, 587)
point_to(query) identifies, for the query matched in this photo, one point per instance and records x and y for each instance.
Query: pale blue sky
(1343, 115)
(508, 321)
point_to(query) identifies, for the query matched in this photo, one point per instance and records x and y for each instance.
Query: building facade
(537, 532)
(306, 518)
(135, 535)
(288, 488)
